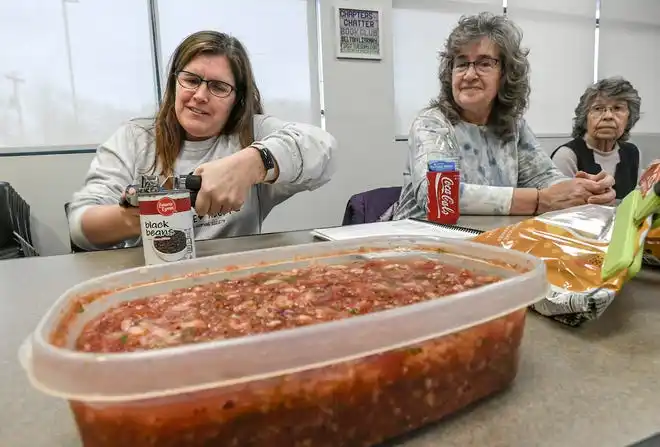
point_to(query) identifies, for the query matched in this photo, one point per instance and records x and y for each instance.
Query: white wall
(629, 36)
(571, 23)
(359, 112)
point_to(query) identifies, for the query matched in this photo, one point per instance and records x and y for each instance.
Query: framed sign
(358, 33)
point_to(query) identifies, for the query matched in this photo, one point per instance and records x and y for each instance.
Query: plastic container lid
(118, 377)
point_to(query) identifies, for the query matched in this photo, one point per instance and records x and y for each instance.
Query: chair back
(370, 206)
(15, 224)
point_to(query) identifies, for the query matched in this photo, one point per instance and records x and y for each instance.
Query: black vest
(625, 175)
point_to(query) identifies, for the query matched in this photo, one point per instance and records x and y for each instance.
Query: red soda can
(443, 193)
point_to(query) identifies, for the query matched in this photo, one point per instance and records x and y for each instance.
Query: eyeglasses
(482, 66)
(617, 109)
(191, 81)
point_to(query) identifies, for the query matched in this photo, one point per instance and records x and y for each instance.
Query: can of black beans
(166, 218)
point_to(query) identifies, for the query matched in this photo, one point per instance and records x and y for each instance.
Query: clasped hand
(584, 188)
(226, 182)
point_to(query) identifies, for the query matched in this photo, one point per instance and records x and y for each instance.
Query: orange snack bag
(573, 244)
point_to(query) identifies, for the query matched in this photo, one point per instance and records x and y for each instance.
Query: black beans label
(167, 238)
(158, 229)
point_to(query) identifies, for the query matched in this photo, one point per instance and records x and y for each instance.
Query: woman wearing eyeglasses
(606, 113)
(477, 120)
(211, 123)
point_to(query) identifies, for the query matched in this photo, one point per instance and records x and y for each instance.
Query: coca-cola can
(443, 193)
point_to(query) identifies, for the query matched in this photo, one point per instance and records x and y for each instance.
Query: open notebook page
(406, 227)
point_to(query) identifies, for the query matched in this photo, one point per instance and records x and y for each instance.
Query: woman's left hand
(227, 181)
(606, 195)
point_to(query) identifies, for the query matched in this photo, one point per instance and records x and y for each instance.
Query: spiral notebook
(406, 227)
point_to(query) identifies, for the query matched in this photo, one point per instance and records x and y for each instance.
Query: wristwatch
(268, 161)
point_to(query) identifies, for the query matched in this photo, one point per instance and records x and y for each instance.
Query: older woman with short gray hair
(477, 120)
(606, 113)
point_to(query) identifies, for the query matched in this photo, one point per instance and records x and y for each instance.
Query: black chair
(370, 206)
(74, 247)
(15, 231)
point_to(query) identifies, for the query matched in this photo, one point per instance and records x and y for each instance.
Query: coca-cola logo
(447, 202)
(166, 206)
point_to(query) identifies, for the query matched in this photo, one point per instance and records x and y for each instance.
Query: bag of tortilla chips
(573, 244)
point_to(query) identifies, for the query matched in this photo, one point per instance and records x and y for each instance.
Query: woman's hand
(131, 220)
(227, 181)
(606, 195)
(130, 216)
(577, 191)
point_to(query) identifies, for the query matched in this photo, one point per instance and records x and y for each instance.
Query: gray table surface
(598, 385)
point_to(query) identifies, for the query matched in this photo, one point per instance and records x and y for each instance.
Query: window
(629, 41)
(278, 49)
(420, 28)
(560, 36)
(72, 70)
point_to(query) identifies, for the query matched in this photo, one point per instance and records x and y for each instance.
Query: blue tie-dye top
(490, 168)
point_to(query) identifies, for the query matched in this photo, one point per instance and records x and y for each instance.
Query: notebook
(406, 227)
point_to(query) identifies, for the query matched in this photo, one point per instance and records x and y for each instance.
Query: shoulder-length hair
(616, 88)
(513, 95)
(168, 133)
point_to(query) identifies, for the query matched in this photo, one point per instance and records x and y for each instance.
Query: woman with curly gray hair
(606, 113)
(477, 121)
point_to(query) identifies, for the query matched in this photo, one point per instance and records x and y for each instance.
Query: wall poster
(358, 33)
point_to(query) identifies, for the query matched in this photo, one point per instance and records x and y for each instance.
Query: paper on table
(394, 228)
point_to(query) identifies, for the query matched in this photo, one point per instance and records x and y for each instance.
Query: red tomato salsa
(272, 300)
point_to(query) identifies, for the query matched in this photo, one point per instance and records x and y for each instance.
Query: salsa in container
(330, 344)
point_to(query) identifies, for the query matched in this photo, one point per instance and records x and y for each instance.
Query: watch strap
(268, 161)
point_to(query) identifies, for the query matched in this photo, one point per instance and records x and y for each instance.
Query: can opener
(153, 184)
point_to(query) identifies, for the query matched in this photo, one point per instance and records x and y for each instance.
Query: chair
(369, 206)
(74, 247)
(15, 230)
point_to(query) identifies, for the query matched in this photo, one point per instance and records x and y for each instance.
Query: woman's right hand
(129, 215)
(574, 192)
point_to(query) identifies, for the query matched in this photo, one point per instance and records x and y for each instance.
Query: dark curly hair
(616, 88)
(513, 95)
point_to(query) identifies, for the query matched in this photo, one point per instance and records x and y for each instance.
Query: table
(597, 385)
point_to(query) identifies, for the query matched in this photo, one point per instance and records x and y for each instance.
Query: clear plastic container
(352, 382)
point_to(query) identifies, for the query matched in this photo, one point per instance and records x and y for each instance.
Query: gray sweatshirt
(304, 155)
